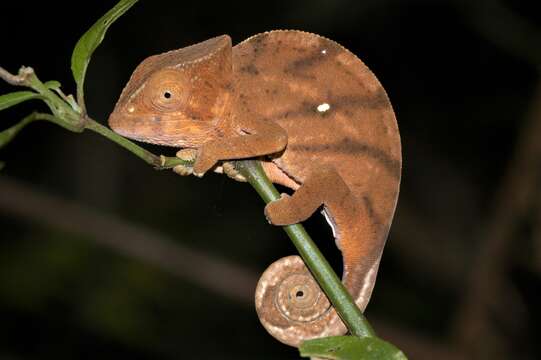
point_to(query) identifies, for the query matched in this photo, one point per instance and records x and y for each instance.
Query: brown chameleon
(321, 124)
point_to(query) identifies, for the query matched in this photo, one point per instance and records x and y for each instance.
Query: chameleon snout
(127, 125)
(115, 124)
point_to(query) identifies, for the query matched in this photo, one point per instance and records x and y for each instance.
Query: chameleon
(322, 126)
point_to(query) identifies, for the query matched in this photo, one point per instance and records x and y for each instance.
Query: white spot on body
(324, 51)
(131, 109)
(323, 107)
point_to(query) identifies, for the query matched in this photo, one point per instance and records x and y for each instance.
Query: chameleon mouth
(169, 131)
(118, 125)
(138, 129)
(121, 125)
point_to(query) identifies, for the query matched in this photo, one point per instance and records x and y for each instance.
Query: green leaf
(7, 135)
(17, 97)
(52, 84)
(91, 40)
(2, 165)
(351, 348)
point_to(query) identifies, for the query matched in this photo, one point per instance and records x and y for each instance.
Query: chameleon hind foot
(229, 169)
(323, 186)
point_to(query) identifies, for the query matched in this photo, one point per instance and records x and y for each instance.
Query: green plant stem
(67, 117)
(159, 162)
(318, 265)
(9, 134)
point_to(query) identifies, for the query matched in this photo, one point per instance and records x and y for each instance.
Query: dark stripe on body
(347, 146)
(250, 69)
(382, 229)
(367, 201)
(340, 103)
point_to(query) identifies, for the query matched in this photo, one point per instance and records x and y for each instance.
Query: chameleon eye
(166, 91)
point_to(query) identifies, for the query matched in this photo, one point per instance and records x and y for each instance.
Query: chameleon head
(180, 98)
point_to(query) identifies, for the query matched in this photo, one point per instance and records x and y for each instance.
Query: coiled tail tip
(291, 305)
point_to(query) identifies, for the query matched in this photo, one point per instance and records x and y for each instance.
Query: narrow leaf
(7, 135)
(351, 348)
(91, 40)
(52, 84)
(15, 98)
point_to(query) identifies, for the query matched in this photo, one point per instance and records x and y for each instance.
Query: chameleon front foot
(186, 155)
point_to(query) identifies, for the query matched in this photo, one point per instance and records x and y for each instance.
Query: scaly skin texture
(322, 125)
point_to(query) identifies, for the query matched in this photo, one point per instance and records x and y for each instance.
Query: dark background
(102, 256)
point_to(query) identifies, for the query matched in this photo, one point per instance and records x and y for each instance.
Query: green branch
(314, 260)
(159, 162)
(7, 135)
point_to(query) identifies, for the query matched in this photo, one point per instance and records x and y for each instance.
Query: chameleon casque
(321, 124)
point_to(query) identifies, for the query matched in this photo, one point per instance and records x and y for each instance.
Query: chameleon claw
(230, 170)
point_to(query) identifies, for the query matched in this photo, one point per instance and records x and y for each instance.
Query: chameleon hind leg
(287, 295)
(352, 227)
(323, 186)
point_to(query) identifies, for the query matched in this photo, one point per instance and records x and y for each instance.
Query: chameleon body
(322, 125)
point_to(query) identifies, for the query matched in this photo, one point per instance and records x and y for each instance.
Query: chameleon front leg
(187, 155)
(260, 137)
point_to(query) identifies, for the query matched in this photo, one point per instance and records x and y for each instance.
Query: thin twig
(413, 243)
(513, 200)
(536, 266)
(513, 33)
(220, 276)
(500, 25)
(20, 79)
(314, 260)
